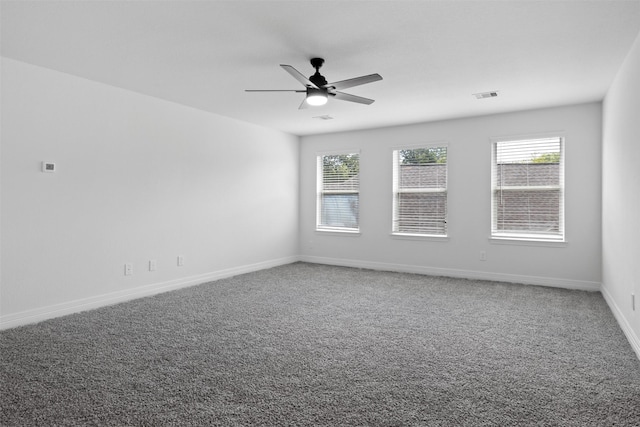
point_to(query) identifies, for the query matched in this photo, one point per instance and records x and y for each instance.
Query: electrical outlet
(48, 167)
(153, 264)
(180, 260)
(483, 255)
(128, 269)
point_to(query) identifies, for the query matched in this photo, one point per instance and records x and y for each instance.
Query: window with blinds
(528, 189)
(420, 191)
(338, 204)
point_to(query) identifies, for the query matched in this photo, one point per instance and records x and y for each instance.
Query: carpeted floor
(313, 345)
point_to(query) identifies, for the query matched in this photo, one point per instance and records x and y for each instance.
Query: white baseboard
(466, 274)
(62, 309)
(634, 340)
(76, 306)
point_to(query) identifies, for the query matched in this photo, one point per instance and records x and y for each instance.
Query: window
(528, 189)
(420, 191)
(338, 192)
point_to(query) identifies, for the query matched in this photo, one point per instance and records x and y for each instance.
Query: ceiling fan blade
(352, 98)
(298, 76)
(304, 104)
(274, 90)
(356, 81)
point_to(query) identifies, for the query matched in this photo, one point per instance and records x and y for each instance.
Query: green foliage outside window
(341, 167)
(547, 158)
(422, 156)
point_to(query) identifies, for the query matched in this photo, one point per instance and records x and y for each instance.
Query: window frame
(320, 191)
(531, 236)
(395, 191)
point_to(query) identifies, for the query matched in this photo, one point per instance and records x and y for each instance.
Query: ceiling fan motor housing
(318, 80)
(319, 92)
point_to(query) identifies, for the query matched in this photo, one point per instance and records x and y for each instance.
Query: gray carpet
(316, 345)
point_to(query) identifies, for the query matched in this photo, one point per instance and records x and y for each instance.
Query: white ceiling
(433, 55)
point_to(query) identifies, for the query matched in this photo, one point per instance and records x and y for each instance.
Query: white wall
(574, 265)
(138, 179)
(621, 196)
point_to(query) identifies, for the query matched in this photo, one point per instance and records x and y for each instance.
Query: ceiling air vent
(483, 95)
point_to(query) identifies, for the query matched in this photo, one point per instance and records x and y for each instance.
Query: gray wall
(621, 196)
(575, 264)
(138, 179)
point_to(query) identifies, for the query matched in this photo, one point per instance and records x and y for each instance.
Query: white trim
(421, 190)
(418, 145)
(528, 136)
(415, 236)
(633, 339)
(76, 306)
(320, 189)
(528, 241)
(561, 235)
(507, 188)
(395, 190)
(338, 231)
(338, 152)
(552, 282)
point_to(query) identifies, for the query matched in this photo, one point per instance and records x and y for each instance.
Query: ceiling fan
(318, 90)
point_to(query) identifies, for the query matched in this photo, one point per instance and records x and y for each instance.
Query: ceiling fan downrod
(317, 79)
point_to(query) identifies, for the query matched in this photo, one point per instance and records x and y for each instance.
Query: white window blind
(420, 191)
(528, 189)
(338, 204)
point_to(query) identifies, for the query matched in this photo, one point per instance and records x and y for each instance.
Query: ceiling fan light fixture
(316, 98)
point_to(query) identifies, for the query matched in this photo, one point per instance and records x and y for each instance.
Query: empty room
(320, 213)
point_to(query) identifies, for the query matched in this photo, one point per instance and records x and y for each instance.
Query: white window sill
(427, 237)
(338, 232)
(526, 241)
